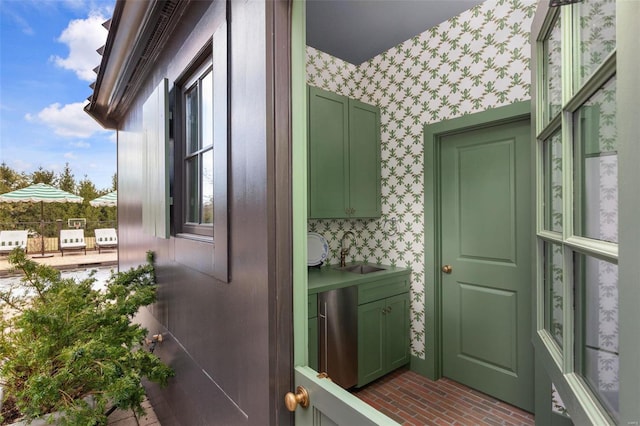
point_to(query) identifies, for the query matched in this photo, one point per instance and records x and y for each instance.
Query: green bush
(66, 347)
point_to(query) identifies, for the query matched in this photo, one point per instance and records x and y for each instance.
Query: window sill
(196, 237)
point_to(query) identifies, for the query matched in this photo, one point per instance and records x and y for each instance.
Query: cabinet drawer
(313, 305)
(380, 289)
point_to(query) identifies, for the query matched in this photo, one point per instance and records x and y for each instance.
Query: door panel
(330, 405)
(496, 349)
(485, 238)
(397, 329)
(364, 159)
(370, 340)
(486, 201)
(328, 153)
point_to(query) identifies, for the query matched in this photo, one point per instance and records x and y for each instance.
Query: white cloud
(70, 156)
(68, 120)
(83, 36)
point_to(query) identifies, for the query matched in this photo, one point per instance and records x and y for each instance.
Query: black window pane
(192, 206)
(207, 187)
(191, 119)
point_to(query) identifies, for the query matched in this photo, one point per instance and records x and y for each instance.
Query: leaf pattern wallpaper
(470, 63)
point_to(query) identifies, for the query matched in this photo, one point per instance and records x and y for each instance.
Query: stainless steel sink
(361, 269)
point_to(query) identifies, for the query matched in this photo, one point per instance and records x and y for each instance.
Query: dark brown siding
(230, 343)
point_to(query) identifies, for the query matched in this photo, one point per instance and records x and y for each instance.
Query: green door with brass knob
(486, 260)
(326, 402)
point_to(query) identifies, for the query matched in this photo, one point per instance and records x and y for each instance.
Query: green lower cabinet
(371, 344)
(383, 337)
(397, 326)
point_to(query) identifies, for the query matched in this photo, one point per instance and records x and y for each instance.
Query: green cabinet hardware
(383, 337)
(344, 157)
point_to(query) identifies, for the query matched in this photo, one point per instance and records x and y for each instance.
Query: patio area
(71, 260)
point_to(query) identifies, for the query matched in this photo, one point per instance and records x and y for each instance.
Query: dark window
(198, 151)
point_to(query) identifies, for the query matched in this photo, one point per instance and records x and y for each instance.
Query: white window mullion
(568, 312)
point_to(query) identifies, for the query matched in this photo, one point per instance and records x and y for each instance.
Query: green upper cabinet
(344, 157)
(364, 160)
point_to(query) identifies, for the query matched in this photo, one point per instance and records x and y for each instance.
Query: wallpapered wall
(470, 63)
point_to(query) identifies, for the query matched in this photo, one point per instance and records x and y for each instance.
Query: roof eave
(137, 33)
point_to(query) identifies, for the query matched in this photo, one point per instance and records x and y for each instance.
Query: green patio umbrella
(107, 200)
(43, 193)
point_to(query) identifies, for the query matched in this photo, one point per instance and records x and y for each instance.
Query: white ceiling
(358, 30)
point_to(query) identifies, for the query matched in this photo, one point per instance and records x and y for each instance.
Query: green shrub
(66, 347)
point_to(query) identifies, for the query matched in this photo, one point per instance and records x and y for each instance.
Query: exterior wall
(217, 334)
(470, 63)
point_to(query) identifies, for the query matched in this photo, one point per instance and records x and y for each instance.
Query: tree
(87, 189)
(10, 179)
(66, 180)
(114, 182)
(43, 176)
(27, 215)
(64, 342)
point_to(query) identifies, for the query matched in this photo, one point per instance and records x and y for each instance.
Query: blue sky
(47, 54)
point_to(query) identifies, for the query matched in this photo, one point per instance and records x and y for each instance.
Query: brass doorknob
(447, 269)
(292, 400)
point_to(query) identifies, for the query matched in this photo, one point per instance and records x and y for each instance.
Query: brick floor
(412, 399)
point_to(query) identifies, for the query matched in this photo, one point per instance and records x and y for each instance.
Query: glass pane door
(578, 147)
(598, 354)
(596, 164)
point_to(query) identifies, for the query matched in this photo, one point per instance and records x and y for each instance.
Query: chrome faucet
(344, 249)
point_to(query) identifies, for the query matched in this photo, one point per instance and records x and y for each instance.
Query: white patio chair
(106, 238)
(72, 239)
(9, 240)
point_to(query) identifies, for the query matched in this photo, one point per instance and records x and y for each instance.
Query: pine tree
(66, 180)
(43, 176)
(11, 180)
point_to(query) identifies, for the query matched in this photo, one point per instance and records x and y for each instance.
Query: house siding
(217, 335)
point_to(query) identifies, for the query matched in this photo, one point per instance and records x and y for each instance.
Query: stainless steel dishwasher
(338, 335)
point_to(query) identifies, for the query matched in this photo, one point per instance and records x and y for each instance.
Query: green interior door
(486, 240)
